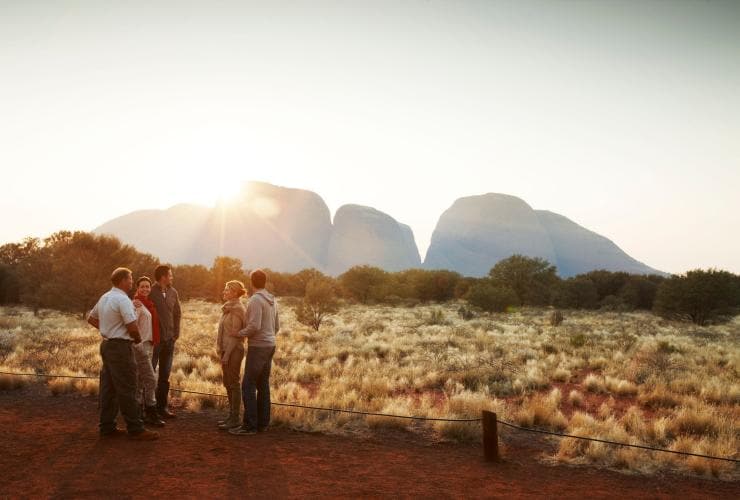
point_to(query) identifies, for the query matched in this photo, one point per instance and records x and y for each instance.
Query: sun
(228, 192)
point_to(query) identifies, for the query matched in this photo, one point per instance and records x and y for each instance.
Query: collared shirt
(114, 311)
(144, 322)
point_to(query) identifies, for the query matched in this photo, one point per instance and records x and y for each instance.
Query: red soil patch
(592, 401)
(50, 448)
(437, 396)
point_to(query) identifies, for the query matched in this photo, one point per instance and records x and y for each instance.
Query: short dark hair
(143, 278)
(258, 278)
(161, 271)
(119, 275)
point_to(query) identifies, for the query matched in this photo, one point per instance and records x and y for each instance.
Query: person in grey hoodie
(262, 325)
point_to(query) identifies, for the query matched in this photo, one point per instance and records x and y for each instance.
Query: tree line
(69, 270)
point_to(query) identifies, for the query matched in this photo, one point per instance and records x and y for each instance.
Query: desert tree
(491, 297)
(302, 278)
(608, 283)
(578, 292)
(699, 296)
(531, 278)
(12, 262)
(319, 301)
(195, 282)
(639, 291)
(78, 267)
(226, 269)
(363, 283)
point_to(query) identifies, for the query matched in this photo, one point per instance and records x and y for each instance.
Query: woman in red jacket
(148, 323)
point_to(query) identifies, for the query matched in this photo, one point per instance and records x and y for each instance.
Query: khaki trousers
(146, 381)
(233, 367)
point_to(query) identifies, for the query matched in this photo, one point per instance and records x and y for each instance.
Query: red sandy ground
(49, 447)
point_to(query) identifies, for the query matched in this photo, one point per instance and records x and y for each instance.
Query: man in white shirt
(114, 316)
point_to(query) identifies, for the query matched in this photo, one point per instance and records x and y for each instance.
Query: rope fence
(488, 419)
(341, 410)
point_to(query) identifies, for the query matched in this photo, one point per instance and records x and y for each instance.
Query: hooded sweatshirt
(262, 320)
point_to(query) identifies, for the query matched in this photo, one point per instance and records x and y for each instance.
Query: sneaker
(262, 429)
(113, 433)
(242, 431)
(229, 424)
(144, 435)
(165, 413)
(151, 417)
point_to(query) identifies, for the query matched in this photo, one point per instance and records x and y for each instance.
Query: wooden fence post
(490, 436)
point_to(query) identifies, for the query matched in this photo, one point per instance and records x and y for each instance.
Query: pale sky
(621, 115)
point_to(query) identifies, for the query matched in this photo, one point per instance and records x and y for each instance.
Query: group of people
(140, 324)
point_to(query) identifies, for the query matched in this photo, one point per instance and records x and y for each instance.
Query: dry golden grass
(655, 382)
(575, 398)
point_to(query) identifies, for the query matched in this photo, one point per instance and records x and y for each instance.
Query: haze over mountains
(288, 229)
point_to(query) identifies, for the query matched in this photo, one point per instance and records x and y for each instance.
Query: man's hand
(133, 332)
(236, 335)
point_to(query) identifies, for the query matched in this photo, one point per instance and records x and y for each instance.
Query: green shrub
(319, 302)
(578, 292)
(491, 298)
(699, 296)
(530, 278)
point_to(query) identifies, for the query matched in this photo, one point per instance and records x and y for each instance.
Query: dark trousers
(118, 386)
(164, 352)
(256, 387)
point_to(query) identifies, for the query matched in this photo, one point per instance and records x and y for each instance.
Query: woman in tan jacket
(231, 350)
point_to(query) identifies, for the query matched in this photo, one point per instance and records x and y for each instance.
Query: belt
(116, 340)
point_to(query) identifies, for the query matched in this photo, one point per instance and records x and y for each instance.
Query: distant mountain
(269, 226)
(579, 250)
(289, 229)
(266, 226)
(478, 231)
(363, 235)
(173, 235)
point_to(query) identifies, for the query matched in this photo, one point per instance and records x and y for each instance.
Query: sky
(622, 116)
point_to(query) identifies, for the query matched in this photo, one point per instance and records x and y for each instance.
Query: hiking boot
(144, 435)
(243, 430)
(235, 402)
(151, 417)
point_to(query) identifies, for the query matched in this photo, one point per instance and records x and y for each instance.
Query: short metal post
(490, 436)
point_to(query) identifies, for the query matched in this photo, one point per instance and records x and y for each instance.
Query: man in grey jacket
(167, 302)
(262, 325)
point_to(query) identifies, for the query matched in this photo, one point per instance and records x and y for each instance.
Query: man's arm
(277, 319)
(159, 305)
(92, 317)
(128, 313)
(176, 315)
(133, 331)
(254, 320)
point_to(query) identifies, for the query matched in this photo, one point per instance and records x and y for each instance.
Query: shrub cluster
(68, 270)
